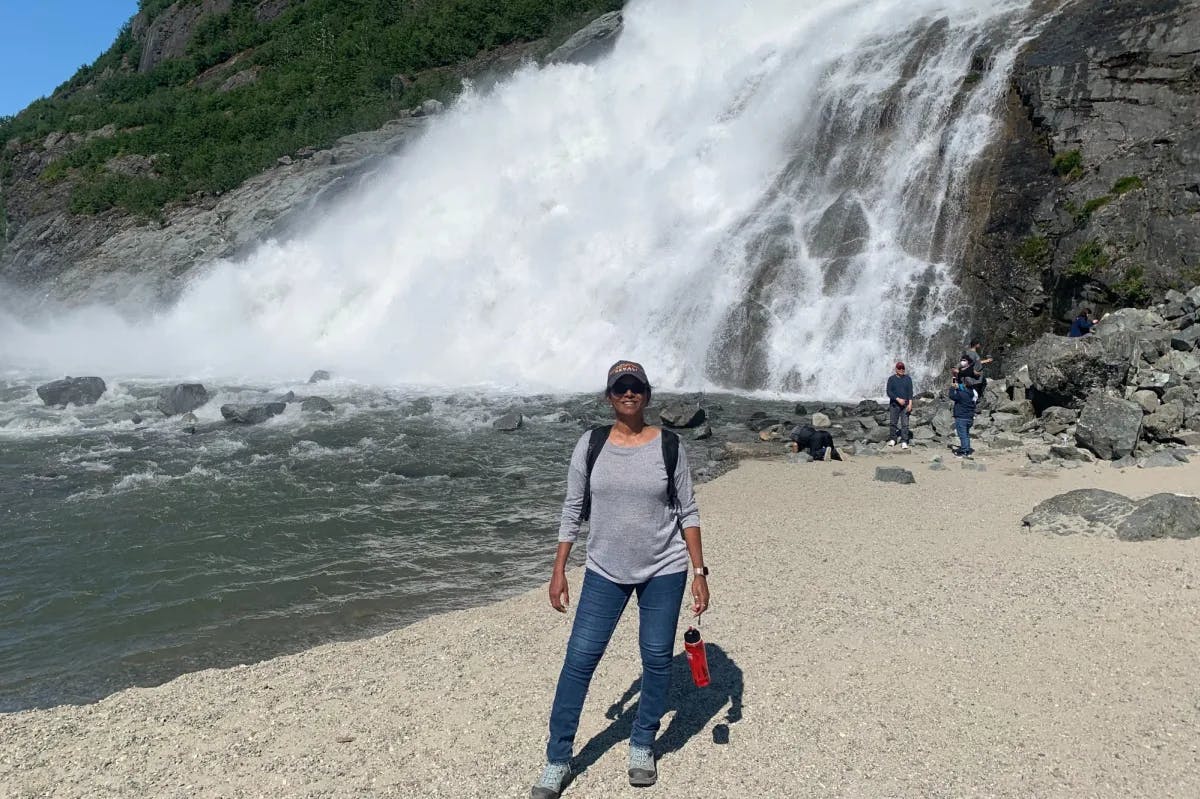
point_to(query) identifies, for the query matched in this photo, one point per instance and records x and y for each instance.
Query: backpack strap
(595, 445)
(670, 452)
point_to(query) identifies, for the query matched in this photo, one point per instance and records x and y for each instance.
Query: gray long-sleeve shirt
(633, 533)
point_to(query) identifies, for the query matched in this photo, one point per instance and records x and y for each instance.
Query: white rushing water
(758, 194)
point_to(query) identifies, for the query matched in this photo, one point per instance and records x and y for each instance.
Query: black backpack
(670, 453)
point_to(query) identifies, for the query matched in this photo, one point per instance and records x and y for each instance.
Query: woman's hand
(699, 594)
(560, 595)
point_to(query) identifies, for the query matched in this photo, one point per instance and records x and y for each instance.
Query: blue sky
(43, 42)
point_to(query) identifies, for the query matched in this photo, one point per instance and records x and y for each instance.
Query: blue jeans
(601, 602)
(963, 428)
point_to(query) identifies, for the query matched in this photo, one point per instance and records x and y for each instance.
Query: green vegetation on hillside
(326, 68)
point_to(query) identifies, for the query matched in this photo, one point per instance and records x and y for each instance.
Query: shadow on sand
(694, 708)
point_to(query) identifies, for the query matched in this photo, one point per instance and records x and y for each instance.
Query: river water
(130, 553)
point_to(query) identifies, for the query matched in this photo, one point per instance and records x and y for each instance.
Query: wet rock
(182, 398)
(72, 391)
(318, 376)
(252, 414)
(1109, 427)
(316, 405)
(702, 432)
(591, 43)
(681, 414)
(894, 474)
(509, 422)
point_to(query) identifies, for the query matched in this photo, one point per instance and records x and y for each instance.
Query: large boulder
(1065, 371)
(1057, 419)
(183, 398)
(72, 391)
(682, 414)
(1109, 427)
(1162, 516)
(1086, 510)
(252, 414)
(1129, 320)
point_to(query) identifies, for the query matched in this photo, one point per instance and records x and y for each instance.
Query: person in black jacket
(964, 414)
(900, 398)
(805, 437)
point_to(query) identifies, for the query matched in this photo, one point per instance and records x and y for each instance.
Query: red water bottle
(697, 659)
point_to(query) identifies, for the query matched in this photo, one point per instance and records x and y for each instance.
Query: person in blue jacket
(964, 414)
(1083, 324)
(900, 398)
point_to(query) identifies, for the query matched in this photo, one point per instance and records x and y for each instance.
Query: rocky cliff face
(1093, 195)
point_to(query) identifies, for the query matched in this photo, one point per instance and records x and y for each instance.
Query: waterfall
(761, 195)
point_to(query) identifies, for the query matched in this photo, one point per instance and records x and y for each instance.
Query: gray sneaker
(555, 778)
(642, 771)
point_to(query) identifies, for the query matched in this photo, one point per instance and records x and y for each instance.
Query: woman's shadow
(694, 708)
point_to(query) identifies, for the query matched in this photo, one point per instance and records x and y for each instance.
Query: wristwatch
(700, 571)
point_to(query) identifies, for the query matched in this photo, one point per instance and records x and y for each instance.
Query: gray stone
(590, 44)
(922, 434)
(1182, 394)
(1159, 460)
(1185, 340)
(316, 405)
(821, 421)
(1037, 457)
(1089, 511)
(1065, 371)
(682, 414)
(702, 432)
(72, 391)
(973, 466)
(1056, 419)
(252, 413)
(1071, 453)
(1162, 516)
(878, 435)
(318, 376)
(182, 398)
(1164, 422)
(1147, 399)
(509, 422)
(429, 108)
(1109, 427)
(943, 422)
(894, 474)
(1179, 363)
(1004, 442)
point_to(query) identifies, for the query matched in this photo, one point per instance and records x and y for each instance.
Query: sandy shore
(867, 640)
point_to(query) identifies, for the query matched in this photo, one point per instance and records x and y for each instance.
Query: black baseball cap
(626, 369)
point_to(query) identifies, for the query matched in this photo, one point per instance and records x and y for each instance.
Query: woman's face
(628, 397)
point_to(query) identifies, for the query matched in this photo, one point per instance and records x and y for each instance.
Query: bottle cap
(692, 636)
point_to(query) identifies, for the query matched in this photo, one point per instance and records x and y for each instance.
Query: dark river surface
(131, 553)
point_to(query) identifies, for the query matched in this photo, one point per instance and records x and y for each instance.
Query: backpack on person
(670, 455)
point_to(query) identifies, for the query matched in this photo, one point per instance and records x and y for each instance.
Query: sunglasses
(621, 386)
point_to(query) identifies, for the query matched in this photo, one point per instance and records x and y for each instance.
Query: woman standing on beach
(635, 545)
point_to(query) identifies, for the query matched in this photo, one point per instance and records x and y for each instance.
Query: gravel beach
(867, 639)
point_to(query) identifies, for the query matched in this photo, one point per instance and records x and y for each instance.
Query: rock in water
(316, 405)
(183, 398)
(252, 414)
(509, 422)
(894, 474)
(702, 433)
(72, 391)
(1109, 427)
(318, 376)
(682, 414)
